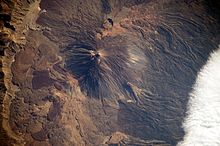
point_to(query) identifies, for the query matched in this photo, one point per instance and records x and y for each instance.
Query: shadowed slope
(105, 70)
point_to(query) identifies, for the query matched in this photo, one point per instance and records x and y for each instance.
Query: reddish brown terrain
(101, 72)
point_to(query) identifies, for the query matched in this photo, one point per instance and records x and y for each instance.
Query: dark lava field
(101, 72)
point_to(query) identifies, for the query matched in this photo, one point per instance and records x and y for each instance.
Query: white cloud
(202, 124)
